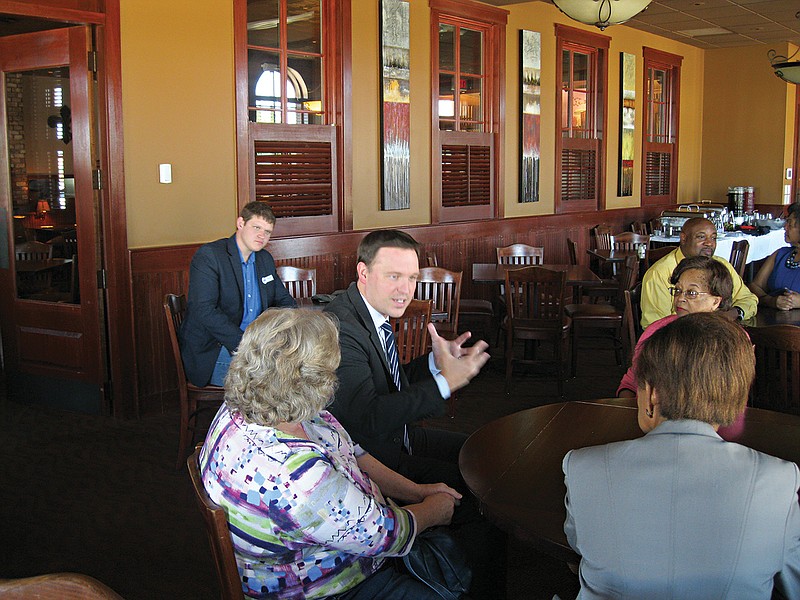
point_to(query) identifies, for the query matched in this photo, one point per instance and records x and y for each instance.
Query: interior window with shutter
(580, 170)
(662, 73)
(468, 41)
(288, 55)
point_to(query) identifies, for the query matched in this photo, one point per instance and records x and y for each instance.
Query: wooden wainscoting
(162, 270)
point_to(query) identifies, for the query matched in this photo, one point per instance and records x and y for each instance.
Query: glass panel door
(39, 132)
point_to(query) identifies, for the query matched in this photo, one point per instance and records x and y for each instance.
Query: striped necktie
(394, 367)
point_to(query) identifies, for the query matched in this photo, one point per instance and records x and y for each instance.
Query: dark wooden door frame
(105, 15)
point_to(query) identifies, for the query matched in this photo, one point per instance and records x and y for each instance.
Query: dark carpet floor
(100, 496)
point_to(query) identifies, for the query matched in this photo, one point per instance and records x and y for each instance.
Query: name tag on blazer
(267, 279)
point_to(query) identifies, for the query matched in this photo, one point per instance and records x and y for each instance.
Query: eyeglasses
(688, 294)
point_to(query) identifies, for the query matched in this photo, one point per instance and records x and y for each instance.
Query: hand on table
(787, 300)
(457, 364)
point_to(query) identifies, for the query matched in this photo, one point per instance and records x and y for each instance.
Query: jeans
(221, 368)
(391, 582)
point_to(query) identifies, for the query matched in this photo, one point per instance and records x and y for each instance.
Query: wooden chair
(301, 283)
(219, 535)
(411, 330)
(520, 254)
(602, 237)
(631, 317)
(57, 586)
(33, 251)
(473, 310)
(640, 228)
(443, 288)
(36, 284)
(739, 251)
(192, 398)
(656, 254)
(603, 316)
(627, 240)
(777, 382)
(535, 305)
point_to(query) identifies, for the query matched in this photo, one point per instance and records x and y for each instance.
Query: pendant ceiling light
(786, 68)
(601, 13)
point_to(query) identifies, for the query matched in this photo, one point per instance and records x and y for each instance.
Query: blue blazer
(216, 304)
(681, 513)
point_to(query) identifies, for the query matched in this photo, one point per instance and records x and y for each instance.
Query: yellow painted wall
(178, 108)
(747, 132)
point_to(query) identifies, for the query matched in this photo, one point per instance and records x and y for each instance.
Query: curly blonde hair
(285, 367)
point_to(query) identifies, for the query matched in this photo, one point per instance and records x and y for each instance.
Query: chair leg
(183, 438)
(574, 349)
(509, 359)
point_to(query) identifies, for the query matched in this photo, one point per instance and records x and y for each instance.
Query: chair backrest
(520, 254)
(33, 251)
(63, 586)
(301, 283)
(656, 254)
(777, 383)
(219, 535)
(602, 237)
(640, 228)
(174, 311)
(572, 246)
(739, 251)
(627, 240)
(535, 295)
(443, 287)
(630, 319)
(411, 330)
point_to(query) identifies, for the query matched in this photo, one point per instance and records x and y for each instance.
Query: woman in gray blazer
(681, 513)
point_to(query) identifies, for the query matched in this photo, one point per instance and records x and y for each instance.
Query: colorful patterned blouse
(306, 521)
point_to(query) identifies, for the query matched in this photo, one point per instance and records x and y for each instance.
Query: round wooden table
(513, 464)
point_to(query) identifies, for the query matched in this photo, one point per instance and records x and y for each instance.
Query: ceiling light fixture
(601, 13)
(786, 68)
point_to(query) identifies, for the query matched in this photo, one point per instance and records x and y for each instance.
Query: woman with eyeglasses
(699, 284)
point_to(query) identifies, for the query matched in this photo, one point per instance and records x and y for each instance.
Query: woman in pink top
(700, 284)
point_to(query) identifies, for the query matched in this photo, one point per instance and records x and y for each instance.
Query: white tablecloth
(761, 246)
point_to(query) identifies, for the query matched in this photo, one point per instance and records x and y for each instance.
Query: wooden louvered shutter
(658, 174)
(296, 176)
(466, 175)
(579, 175)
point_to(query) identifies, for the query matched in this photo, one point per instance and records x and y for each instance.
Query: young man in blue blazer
(231, 282)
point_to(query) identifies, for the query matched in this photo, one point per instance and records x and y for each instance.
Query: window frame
(491, 21)
(658, 59)
(336, 42)
(598, 47)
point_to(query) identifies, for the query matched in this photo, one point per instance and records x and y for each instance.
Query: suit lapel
(236, 266)
(261, 273)
(366, 321)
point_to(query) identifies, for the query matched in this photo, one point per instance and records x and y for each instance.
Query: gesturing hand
(457, 364)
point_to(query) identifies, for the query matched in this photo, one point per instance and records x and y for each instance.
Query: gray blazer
(681, 513)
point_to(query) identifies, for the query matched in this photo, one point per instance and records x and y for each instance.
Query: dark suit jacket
(216, 304)
(367, 402)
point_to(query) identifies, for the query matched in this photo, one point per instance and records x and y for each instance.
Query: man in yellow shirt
(698, 238)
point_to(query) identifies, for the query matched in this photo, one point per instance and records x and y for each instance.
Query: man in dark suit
(380, 415)
(231, 282)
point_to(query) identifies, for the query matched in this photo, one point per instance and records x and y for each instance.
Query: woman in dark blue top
(777, 283)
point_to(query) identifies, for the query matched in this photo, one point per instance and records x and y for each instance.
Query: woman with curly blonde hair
(305, 505)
